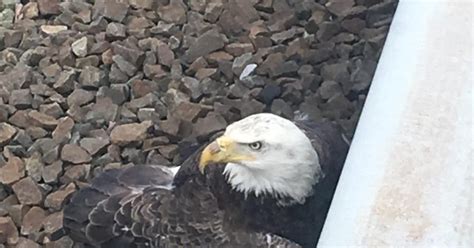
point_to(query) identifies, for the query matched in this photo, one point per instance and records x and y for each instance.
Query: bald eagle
(264, 182)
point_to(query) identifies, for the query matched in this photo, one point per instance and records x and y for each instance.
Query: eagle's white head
(266, 154)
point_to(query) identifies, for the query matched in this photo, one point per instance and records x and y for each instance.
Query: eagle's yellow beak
(222, 150)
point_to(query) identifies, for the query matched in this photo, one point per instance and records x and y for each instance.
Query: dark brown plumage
(132, 207)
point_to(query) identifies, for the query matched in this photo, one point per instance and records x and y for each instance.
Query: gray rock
(51, 71)
(210, 124)
(273, 65)
(237, 49)
(7, 132)
(174, 12)
(51, 172)
(92, 77)
(336, 72)
(65, 82)
(116, 30)
(249, 107)
(27, 243)
(42, 120)
(55, 200)
(12, 171)
(66, 57)
(339, 7)
(206, 73)
(213, 11)
(327, 30)
(237, 90)
(150, 58)
(103, 110)
(237, 16)
(23, 139)
(191, 87)
(142, 4)
(131, 55)
(133, 155)
(48, 148)
(148, 100)
(115, 10)
(36, 132)
(27, 192)
(9, 231)
(269, 92)
(52, 109)
(354, 25)
(337, 107)
(64, 242)
(80, 97)
(361, 78)
(188, 111)
(329, 89)
(34, 166)
(48, 7)
(208, 42)
(20, 119)
(124, 65)
(75, 154)
(196, 65)
(116, 76)
(7, 4)
(168, 151)
(99, 47)
(94, 145)
(165, 54)
(154, 72)
(19, 78)
(170, 126)
(62, 132)
(174, 42)
(53, 29)
(79, 47)
(92, 60)
(281, 108)
(4, 113)
(153, 143)
(162, 28)
(286, 35)
(32, 223)
(128, 133)
(317, 17)
(118, 93)
(148, 114)
(75, 173)
(240, 62)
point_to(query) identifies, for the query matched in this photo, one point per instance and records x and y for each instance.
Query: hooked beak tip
(207, 155)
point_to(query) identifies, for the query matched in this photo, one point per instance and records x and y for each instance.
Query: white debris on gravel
(247, 71)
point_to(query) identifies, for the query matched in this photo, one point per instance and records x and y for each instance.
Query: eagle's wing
(134, 207)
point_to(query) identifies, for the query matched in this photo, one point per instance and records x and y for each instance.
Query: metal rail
(408, 178)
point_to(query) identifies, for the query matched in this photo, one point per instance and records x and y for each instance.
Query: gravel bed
(90, 85)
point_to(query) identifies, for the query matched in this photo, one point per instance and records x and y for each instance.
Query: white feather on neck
(287, 169)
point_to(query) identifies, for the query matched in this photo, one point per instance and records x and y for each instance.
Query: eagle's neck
(286, 186)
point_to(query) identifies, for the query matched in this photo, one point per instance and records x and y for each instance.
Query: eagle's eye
(255, 145)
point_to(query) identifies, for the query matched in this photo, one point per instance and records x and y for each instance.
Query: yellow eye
(255, 145)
